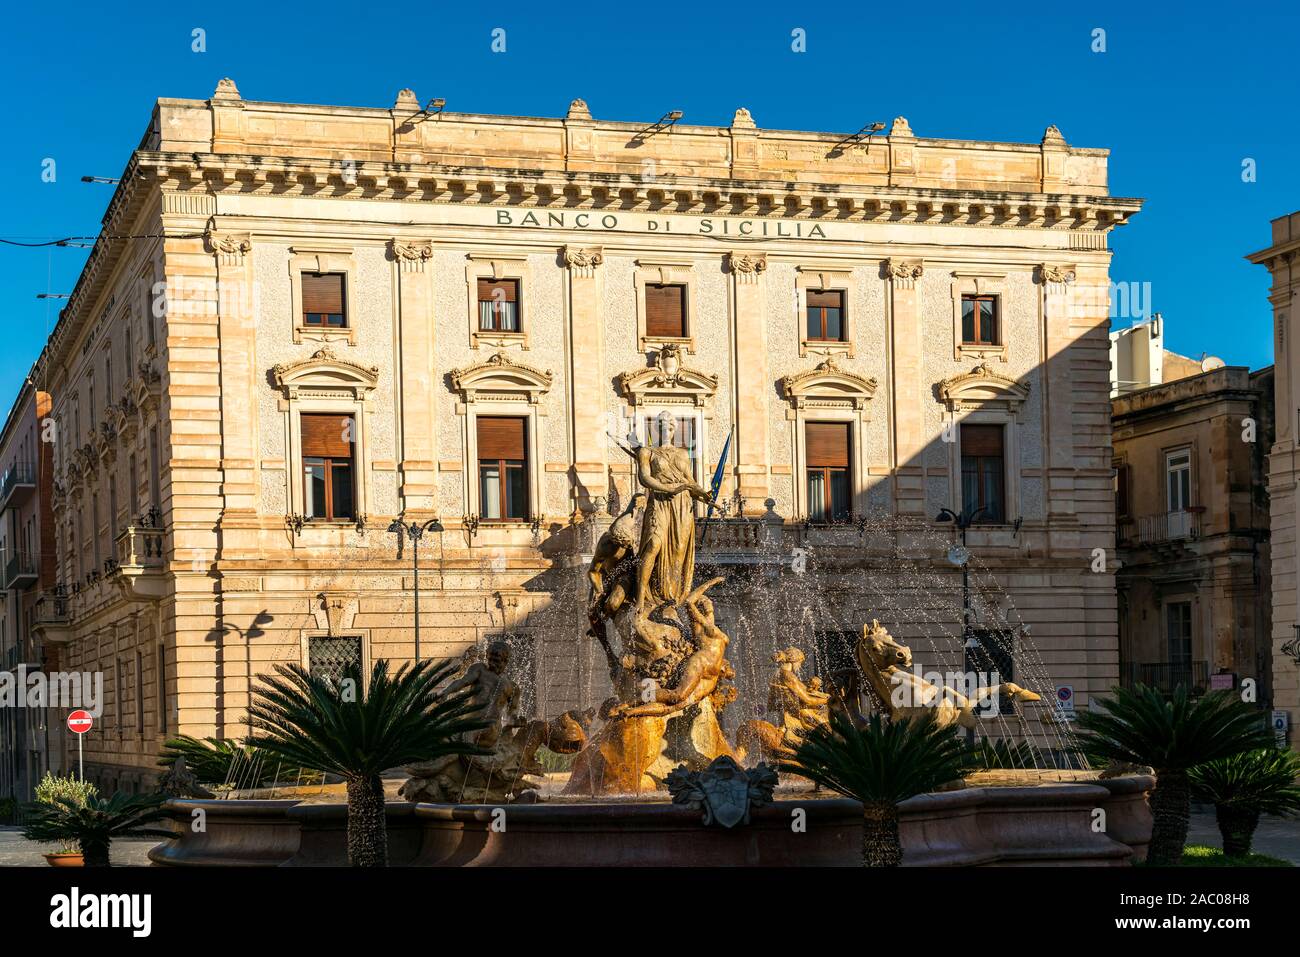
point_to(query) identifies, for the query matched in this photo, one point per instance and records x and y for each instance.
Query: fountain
(631, 774)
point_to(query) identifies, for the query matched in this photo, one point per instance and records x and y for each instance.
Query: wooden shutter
(825, 299)
(322, 292)
(502, 290)
(665, 311)
(326, 436)
(827, 445)
(981, 440)
(500, 438)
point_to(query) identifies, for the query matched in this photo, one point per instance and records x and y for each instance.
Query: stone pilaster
(419, 468)
(1058, 421)
(237, 339)
(752, 379)
(908, 391)
(587, 379)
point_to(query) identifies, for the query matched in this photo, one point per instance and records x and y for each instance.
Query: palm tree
(359, 729)
(94, 823)
(1243, 787)
(881, 764)
(1141, 726)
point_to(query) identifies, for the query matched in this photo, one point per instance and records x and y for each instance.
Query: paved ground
(15, 851)
(1276, 837)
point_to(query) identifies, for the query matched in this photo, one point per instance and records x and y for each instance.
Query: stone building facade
(1282, 259)
(1193, 531)
(332, 317)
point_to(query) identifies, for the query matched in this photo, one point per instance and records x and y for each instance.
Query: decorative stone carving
(743, 120)
(668, 382)
(1050, 273)
(406, 99)
(1052, 136)
(747, 266)
(583, 262)
(230, 250)
(901, 127)
(828, 384)
(724, 791)
(800, 706)
(178, 781)
(578, 110)
(904, 272)
(226, 90)
(501, 376)
(983, 388)
(325, 370)
(416, 252)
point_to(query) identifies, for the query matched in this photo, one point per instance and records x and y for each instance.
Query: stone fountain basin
(1017, 824)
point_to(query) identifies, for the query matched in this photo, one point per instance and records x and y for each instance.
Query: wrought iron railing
(20, 473)
(1165, 676)
(1162, 527)
(19, 566)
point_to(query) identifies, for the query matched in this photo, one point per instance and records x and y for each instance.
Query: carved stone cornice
(904, 272)
(668, 381)
(828, 385)
(983, 388)
(747, 266)
(582, 261)
(500, 377)
(325, 371)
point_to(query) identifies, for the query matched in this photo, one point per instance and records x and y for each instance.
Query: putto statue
(673, 655)
(801, 707)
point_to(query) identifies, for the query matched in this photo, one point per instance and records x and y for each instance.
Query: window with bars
(993, 658)
(327, 466)
(983, 473)
(498, 305)
(502, 467)
(979, 320)
(829, 474)
(329, 656)
(1178, 632)
(825, 316)
(324, 301)
(665, 310)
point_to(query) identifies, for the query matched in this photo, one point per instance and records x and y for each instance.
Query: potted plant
(94, 824)
(52, 789)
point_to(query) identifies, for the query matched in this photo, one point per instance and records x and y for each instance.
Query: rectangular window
(1121, 489)
(683, 437)
(132, 490)
(1178, 631)
(327, 442)
(502, 468)
(139, 693)
(498, 305)
(112, 513)
(828, 446)
(155, 465)
(665, 311)
(1178, 475)
(329, 657)
(979, 320)
(983, 473)
(323, 299)
(826, 315)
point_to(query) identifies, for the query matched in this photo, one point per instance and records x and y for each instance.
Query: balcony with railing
(20, 571)
(17, 485)
(138, 567)
(52, 616)
(1165, 676)
(1163, 528)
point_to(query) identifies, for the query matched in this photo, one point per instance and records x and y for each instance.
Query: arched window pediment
(668, 382)
(982, 388)
(501, 377)
(827, 386)
(325, 371)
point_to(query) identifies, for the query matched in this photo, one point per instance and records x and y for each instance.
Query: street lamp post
(414, 531)
(960, 556)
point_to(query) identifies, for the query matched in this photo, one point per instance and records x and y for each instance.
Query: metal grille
(328, 657)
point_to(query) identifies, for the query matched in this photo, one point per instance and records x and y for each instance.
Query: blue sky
(1181, 98)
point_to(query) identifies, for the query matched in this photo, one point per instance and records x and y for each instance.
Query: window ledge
(498, 339)
(658, 342)
(981, 351)
(304, 333)
(814, 347)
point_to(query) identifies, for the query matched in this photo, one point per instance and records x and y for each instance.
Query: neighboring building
(30, 738)
(1139, 359)
(1282, 258)
(358, 314)
(1193, 530)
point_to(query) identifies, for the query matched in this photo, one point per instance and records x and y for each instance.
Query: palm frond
(1261, 781)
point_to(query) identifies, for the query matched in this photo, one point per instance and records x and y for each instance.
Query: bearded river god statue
(673, 652)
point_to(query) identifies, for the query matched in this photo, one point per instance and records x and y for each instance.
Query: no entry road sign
(79, 722)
